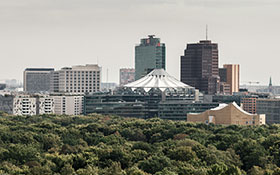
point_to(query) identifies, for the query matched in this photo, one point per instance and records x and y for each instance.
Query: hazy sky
(58, 33)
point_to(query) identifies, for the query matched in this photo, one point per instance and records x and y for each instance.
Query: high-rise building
(149, 55)
(37, 79)
(127, 76)
(223, 74)
(199, 66)
(232, 77)
(224, 86)
(77, 79)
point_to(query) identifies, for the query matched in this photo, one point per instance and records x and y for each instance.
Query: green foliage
(111, 145)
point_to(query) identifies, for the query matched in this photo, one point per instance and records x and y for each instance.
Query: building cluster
(77, 79)
(39, 104)
(148, 90)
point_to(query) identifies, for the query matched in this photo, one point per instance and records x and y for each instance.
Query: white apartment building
(68, 104)
(77, 79)
(45, 105)
(24, 105)
(33, 105)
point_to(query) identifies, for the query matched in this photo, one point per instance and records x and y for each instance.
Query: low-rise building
(271, 108)
(249, 104)
(32, 105)
(227, 114)
(6, 103)
(68, 104)
(178, 110)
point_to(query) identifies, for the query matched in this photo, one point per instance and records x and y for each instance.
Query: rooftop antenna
(206, 32)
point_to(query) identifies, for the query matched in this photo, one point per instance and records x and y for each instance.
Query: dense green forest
(110, 145)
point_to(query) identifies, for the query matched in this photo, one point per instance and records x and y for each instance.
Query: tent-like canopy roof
(160, 79)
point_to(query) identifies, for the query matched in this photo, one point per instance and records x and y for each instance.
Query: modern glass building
(271, 108)
(199, 66)
(149, 55)
(156, 94)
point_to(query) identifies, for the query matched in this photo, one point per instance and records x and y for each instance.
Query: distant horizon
(78, 32)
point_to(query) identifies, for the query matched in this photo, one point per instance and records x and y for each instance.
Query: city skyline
(64, 33)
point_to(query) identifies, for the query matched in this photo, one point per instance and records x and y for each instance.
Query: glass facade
(149, 55)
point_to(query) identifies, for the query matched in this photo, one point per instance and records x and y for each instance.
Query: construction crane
(253, 82)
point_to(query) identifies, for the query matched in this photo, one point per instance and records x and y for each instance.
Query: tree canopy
(111, 145)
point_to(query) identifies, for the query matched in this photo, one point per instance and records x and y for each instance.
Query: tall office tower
(77, 79)
(149, 55)
(126, 76)
(37, 79)
(232, 77)
(224, 86)
(199, 66)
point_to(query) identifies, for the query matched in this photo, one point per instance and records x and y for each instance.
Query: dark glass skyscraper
(199, 66)
(149, 55)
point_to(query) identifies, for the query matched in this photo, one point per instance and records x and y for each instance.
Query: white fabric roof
(158, 78)
(221, 106)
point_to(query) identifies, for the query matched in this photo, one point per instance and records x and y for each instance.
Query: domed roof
(158, 78)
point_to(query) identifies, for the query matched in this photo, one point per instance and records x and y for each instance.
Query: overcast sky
(58, 33)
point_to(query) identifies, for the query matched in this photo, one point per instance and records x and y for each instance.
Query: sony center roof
(160, 79)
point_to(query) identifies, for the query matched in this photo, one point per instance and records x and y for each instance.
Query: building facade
(271, 108)
(68, 104)
(249, 104)
(227, 114)
(178, 110)
(37, 79)
(33, 105)
(6, 103)
(2, 86)
(44, 105)
(232, 77)
(199, 66)
(77, 79)
(126, 76)
(149, 55)
(24, 105)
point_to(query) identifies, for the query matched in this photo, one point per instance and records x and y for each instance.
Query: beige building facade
(77, 79)
(232, 74)
(227, 114)
(68, 104)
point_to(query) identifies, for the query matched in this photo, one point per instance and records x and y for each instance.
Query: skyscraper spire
(270, 85)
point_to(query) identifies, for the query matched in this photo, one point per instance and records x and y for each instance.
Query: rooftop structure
(227, 114)
(159, 79)
(142, 98)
